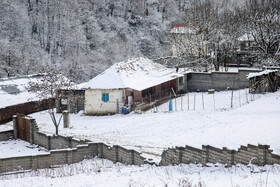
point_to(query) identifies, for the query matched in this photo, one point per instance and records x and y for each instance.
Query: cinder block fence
(259, 155)
(68, 150)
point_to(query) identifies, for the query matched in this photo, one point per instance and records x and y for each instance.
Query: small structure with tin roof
(265, 81)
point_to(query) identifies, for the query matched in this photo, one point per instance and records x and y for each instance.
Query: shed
(71, 100)
(265, 81)
(130, 83)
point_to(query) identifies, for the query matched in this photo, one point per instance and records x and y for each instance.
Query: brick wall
(259, 155)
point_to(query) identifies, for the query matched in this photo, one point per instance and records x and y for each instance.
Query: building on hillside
(188, 41)
(132, 82)
(265, 81)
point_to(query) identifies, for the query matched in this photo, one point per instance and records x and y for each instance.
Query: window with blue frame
(105, 97)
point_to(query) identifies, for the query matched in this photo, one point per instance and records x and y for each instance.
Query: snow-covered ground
(103, 173)
(17, 148)
(218, 124)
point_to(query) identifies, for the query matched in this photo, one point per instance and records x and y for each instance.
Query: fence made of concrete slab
(66, 150)
(219, 81)
(250, 154)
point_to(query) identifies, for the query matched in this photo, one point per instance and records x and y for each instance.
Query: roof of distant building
(184, 29)
(246, 37)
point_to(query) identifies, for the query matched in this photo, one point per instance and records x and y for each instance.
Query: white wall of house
(95, 106)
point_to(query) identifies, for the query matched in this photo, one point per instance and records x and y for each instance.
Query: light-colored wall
(95, 106)
(217, 80)
(188, 44)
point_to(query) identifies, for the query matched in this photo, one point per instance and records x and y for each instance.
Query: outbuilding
(265, 81)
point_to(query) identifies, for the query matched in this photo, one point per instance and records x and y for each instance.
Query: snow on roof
(251, 75)
(246, 37)
(13, 90)
(138, 74)
(183, 29)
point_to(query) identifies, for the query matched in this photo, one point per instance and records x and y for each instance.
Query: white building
(130, 82)
(187, 41)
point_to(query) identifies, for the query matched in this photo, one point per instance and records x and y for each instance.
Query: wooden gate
(23, 127)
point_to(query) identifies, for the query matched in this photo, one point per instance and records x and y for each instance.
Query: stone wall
(259, 155)
(6, 135)
(217, 80)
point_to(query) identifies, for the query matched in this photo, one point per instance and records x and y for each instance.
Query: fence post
(247, 97)
(231, 101)
(32, 124)
(15, 126)
(65, 119)
(116, 153)
(229, 156)
(181, 102)
(117, 107)
(262, 150)
(188, 102)
(49, 142)
(194, 102)
(202, 101)
(214, 100)
(132, 157)
(205, 154)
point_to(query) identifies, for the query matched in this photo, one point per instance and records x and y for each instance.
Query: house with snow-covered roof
(247, 42)
(130, 82)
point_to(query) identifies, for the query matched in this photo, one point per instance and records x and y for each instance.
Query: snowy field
(251, 120)
(17, 148)
(103, 173)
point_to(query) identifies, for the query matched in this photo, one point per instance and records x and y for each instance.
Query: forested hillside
(81, 38)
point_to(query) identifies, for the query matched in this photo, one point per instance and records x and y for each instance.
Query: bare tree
(47, 87)
(263, 23)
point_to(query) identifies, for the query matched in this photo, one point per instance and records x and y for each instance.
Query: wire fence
(195, 101)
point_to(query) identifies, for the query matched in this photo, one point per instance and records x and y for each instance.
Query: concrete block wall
(69, 156)
(6, 135)
(191, 155)
(120, 154)
(219, 81)
(52, 141)
(215, 155)
(259, 155)
(67, 150)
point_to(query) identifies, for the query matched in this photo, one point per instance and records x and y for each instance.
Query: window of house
(181, 80)
(162, 86)
(105, 97)
(64, 101)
